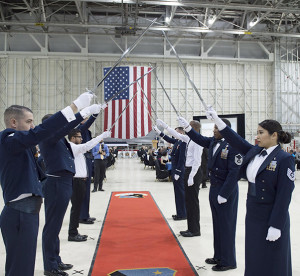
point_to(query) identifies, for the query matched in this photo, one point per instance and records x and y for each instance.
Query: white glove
(155, 128)
(212, 115)
(83, 100)
(93, 109)
(176, 176)
(184, 123)
(105, 134)
(221, 199)
(273, 234)
(161, 123)
(190, 181)
(103, 106)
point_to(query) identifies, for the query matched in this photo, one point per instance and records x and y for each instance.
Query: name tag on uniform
(272, 166)
(224, 153)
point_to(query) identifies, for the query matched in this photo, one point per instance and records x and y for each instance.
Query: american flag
(135, 120)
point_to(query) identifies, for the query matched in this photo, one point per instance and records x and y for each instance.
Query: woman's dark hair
(273, 126)
(227, 122)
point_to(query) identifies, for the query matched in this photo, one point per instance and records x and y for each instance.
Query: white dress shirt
(79, 158)
(255, 164)
(217, 146)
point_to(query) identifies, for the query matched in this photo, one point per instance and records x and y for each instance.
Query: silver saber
(177, 113)
(123, 110)
(123, 55)
(119, 92)
(185, 71)
(152, 119)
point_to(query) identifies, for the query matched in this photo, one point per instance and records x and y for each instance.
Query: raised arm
(19, 140)
(83, 148)
(194, 136)
(235, 140)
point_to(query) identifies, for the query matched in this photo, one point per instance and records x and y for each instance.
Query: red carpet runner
(136, 240)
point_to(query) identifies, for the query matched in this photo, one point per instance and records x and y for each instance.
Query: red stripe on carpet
(135, 235)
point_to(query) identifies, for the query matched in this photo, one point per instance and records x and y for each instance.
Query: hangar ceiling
(225, 28)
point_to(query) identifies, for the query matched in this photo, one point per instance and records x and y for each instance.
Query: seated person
(163, 159)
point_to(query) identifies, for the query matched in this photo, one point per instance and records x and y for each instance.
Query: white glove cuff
(188, 128)
(78, 104)
(219, 123)
(68, 113)
(85, 113)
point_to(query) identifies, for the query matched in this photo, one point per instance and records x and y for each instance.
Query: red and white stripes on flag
(135, 121)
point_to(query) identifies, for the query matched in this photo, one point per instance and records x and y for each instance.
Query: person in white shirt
(80, 178)
(192, 178)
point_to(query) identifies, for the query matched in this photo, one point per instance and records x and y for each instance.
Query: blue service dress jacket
(177, 154)
(57, 152)
(267, 206)
(223, 168)
(18, 171)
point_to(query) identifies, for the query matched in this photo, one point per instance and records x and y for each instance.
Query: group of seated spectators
(161, 154)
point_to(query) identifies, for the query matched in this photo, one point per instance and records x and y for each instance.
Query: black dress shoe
(179, 218)
(91, 218)
(101, 190)
(85, 236)
(55, 272)
(212, 261)
(222, 267)
(63, 266)
(181, 232)
(86, 221)
(190, 234)
(94, 191)
(173, 216)
(77, 238)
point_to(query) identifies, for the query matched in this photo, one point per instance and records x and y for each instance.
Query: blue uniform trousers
(85, 207)
(265, 257)
(19, 231)
(179, 196)
(224, 225)
(57, 192)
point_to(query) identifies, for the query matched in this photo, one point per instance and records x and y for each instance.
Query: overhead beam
(79, 9)
(156, 28)
(206, 4)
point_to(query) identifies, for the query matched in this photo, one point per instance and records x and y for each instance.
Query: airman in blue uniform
(22, 193)
(270, 172)
(60, 169)
(223, 168)
(178, 161)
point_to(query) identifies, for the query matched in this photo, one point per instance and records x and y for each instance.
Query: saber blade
(177, 113)
(185, 71)
(124, 54)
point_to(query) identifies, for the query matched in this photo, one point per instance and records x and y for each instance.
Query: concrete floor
(130, 175)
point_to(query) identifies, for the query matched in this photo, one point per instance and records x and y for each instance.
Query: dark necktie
(263, 153)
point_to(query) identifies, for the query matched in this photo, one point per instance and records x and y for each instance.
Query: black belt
(30, 205)
(251, 189)
(80, 178)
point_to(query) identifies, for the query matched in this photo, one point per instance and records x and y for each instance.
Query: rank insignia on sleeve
(238, 159)
(290, 174)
